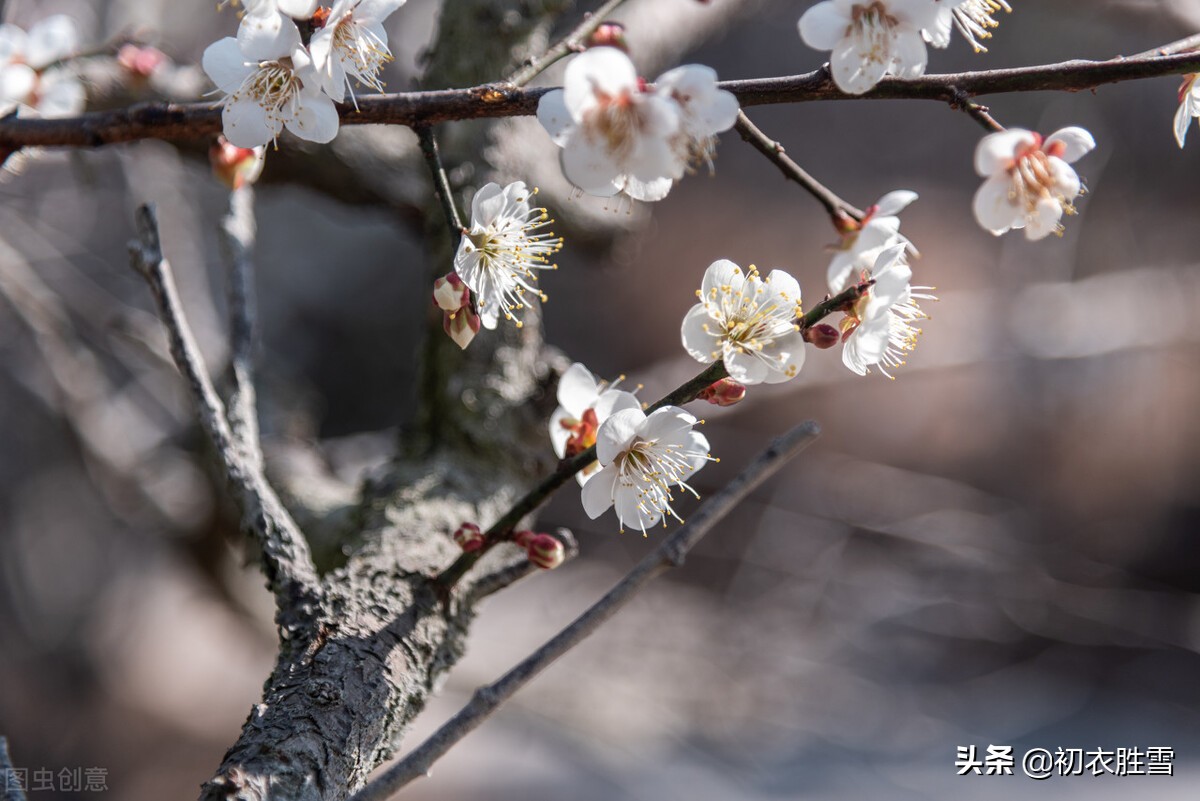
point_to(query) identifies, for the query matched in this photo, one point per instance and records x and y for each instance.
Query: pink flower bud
(141, 60)
(450, 293)
(461, 326)
(523, 537)
(822, 335)
(545, 551)
(725, 392)
(236, 166)
(469, 537)
(609, 34)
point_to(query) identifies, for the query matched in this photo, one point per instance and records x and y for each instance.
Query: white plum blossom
(706, 110)
(1030, 183)
(749, 322)
(643, 457)
(615, 133)
(583, 405)
(871, 38)
(500, 253)
(267, 28)
(263, 97)
(879, 330)
(862, 242)
(353, 44)
(28, 81)
(1189, 107)
(974, 20)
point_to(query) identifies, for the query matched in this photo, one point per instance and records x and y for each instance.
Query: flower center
(362, 53)
(583, 433)
(1034, 178)
(617, 119)
(275, 87)
(872, 26)
(651, 469)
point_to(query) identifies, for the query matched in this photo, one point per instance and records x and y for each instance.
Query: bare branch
(834, 205)
(237, 238)
(516, 570)
(670, 553)
(569, 44)
(441, 184)
(13, 791)
(287, 562)
(976, 111)
(172, 121)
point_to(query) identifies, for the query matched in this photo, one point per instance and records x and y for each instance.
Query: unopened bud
(822, 335)
(236, 166)
(141, 60)
(725, 392)
(450, 293)
(609, 34)
(844, 223)
(524, 537)
(461, 326)
(545, 551)
(469, 537)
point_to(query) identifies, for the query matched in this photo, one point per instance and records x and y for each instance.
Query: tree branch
(172, 121)
(670, 553)
(441, 184)
(286, 560)
(237, 238)
(569, 44)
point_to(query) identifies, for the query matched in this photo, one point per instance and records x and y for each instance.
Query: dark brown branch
(976, 111)
(173, 121)
(286, 560)
(773, 150)
(441, 184)
(669, 554)
(237, 238)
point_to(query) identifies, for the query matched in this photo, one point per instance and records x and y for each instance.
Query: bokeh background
(998, 547)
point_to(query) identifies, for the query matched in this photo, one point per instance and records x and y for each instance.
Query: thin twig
(1187, 44)
(976, 111)
(441, 184)
(834, 205)
(238, 231)
(571, 43)
(14, 789)
(682, 394)
(669, 554)
(286, 560)
(172, 121)
(511, 573)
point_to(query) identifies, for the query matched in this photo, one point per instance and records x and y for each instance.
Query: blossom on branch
(1030, 183)
(863, 241)
(30, 83)
(583, 405)
(620, 134)
(352, 43)
(267, 29)
(872, 38)
(1189, 107)
(642, 459)
(749, 322)
(264, 96)
(878, 329)
(498, 256)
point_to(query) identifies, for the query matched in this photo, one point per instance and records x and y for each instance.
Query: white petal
(865, 347)
(784, 286)
(721, 273)
(617, 432)
(267, 37)
(612, 401)
(553, 115)
(328, 69)
(1066, 180)
(577, 389)
(995, 152)
(13, 42)
(823, 26)
(53, 38)
(1183, 120)
(909, 55)
(589, 167)
(597, 493)
(17, 82)
(487, 204)
(992, 207)
(667, 423)
(316, 120)
(225, 65)
(894, 202)
(558, 434)
(699, 335)
(1076, 141)
(647, 191)
(1044, 220)
(631, 512)
(744, 368)
(855, 68)
(61, 94)
(245, 123)
(938, 34)
(299, 9)
(376, 10)
(790, 350)
(600, 70)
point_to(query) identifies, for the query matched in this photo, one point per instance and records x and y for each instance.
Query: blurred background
(998, 547)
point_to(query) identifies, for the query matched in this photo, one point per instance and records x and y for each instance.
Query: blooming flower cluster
(620, 134)
(869, 39)
(1030, 183)
(273, 80)
(32, 80)
(583, 405)
(499, 255)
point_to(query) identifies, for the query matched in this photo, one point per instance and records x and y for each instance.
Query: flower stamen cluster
(974, 20)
